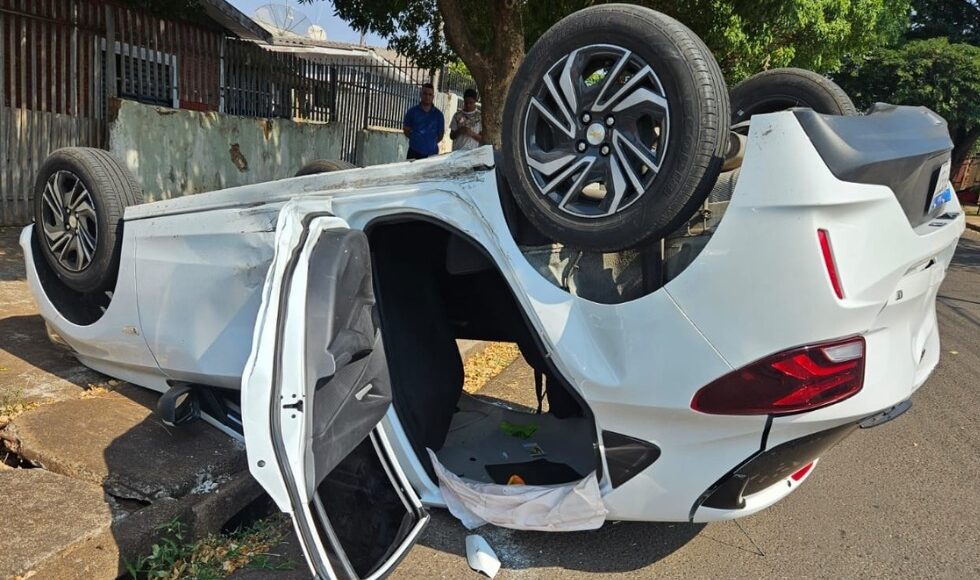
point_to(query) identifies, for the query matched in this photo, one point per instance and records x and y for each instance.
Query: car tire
(324, 166)
(784, 88)
(658, 141)
(79, 198)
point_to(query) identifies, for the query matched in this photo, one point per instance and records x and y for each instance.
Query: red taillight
(802, 472)
(796, 380)
(828, 261)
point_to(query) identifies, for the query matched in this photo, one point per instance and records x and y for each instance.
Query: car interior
(434, 286)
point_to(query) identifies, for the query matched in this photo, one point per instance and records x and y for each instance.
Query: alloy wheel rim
(69, 221)
(596, 131)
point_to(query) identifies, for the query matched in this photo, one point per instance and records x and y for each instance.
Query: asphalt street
(900, 500)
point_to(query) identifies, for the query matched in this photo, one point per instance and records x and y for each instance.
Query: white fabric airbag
(568, 507)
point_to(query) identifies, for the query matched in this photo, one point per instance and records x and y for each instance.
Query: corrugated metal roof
(235, 21)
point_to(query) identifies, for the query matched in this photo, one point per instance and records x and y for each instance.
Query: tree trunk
(963, 144)
(494, 68)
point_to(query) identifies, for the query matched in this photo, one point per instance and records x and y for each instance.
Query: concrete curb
(108, 476)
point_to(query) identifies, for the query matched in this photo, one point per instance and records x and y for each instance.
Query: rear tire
(784, 88)
(324, 166)
(79, 198)
(647, 160)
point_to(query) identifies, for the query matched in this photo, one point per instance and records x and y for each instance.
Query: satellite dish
(316, 33)
(282, 20)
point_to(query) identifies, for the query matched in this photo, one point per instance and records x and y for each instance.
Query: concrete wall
(176, 152)
(379, 145)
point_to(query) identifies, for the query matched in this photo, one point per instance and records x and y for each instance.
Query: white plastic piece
(480, 556)
(569, 507)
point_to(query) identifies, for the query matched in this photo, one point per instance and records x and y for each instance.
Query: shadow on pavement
(967, 255)
(615, 547)
(24, 338)
(11, 258)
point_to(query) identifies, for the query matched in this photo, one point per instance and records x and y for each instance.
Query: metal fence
(455, 82)
(63, 61)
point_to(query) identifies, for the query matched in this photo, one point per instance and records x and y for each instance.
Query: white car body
(196, 298)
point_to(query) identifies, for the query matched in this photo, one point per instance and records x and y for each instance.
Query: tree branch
(458, 37)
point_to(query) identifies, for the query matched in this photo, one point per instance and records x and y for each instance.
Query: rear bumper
(761, 286)
(768, 476)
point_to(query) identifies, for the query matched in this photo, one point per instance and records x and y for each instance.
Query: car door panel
(315, 388)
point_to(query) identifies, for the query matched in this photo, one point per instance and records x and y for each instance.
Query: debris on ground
(519, 430)
(481, 556)
(216, 556)
(11, 405)
(480, 368)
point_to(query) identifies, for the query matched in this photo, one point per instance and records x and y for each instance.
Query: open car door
(314, 389)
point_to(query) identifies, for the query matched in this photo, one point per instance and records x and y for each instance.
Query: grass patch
(12, 404)
(480, 368)
(217, 555)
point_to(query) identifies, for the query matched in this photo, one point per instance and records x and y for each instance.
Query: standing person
(424, 126)
(466, 127)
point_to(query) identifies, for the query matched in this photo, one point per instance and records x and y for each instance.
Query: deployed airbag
(569, 507)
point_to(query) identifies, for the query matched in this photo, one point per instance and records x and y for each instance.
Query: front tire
(79, 198)
(616, 126)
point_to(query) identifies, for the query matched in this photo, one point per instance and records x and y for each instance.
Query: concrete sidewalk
(972, 217)
(87, 472)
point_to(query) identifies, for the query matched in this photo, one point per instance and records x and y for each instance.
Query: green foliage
(746, 36)
(749, 36)
(214, 557)
(957, 20)
(934, 72)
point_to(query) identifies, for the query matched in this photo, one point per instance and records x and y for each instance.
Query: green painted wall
(176, 152)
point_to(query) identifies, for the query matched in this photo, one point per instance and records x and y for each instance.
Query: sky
(319, 12)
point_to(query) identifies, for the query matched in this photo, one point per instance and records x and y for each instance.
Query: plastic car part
(79, 197)
(913, 161)
(780, 89)
(627, 456)
(597, 155)
(179, 405)
(769, 467)
(800, 379)
(324, 166)
(480, 556)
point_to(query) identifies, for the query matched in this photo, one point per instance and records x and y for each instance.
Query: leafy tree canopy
(957, 20)
(747, 37)
(934, 72)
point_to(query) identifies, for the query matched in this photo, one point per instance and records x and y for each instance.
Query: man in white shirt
(466, 127)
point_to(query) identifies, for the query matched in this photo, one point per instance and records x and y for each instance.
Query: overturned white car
(332, 302)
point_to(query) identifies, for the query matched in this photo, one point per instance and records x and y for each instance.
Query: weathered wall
(379, 145)
(176, 152)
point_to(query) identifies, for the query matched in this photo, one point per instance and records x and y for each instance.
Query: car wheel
(79, 198)
(784, 88)
(615, 128)
(324, 166)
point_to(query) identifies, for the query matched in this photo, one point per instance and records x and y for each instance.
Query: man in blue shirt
(424, 126)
